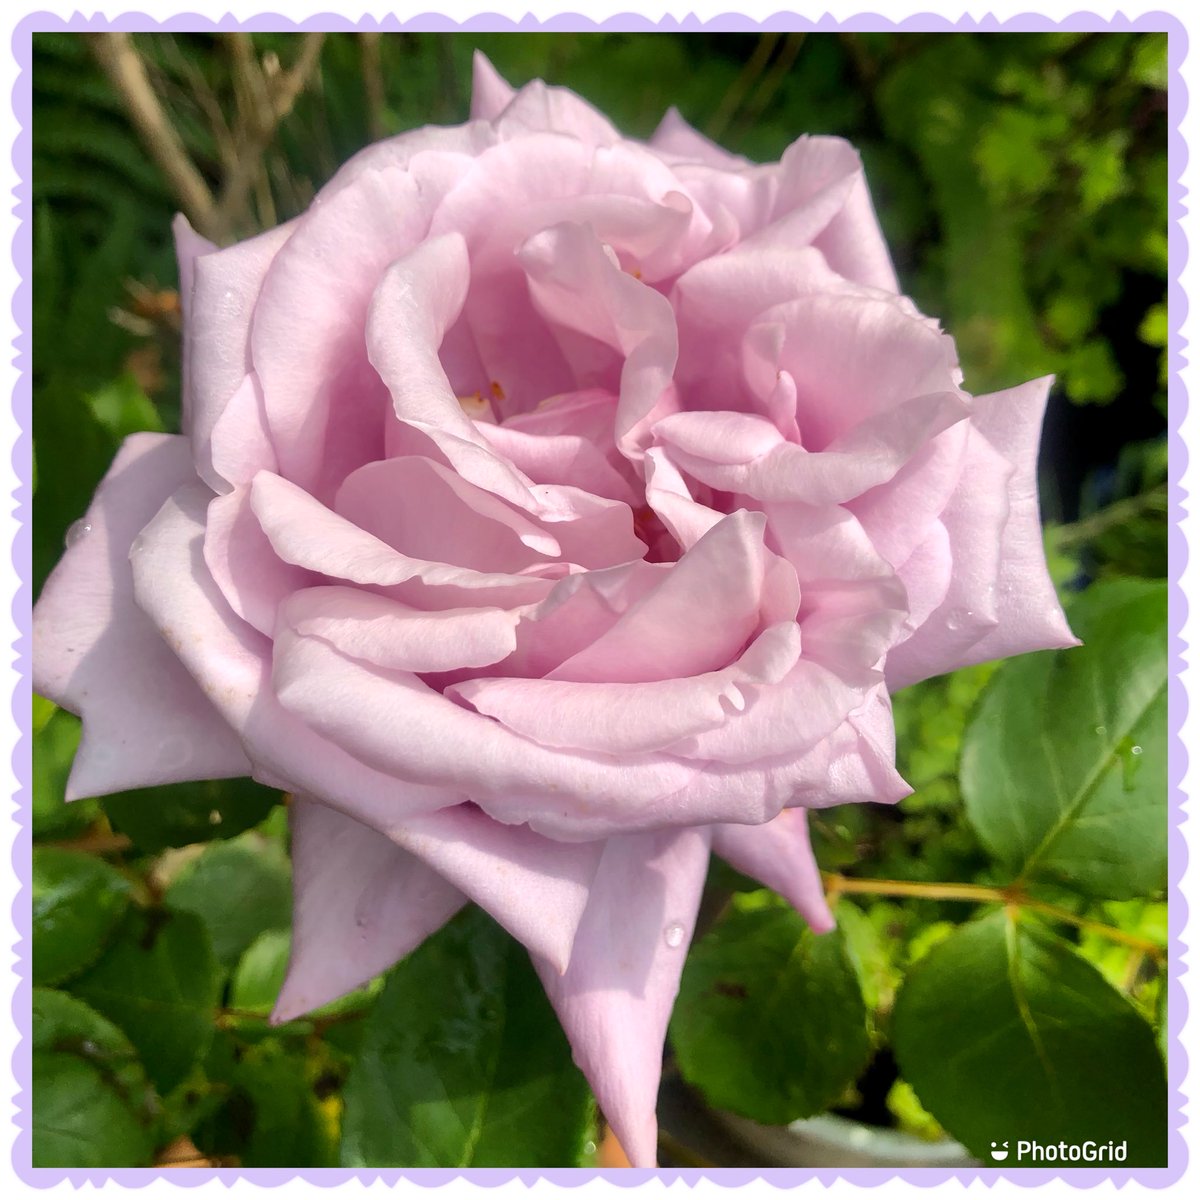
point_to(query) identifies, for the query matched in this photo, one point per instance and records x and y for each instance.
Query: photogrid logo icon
(1000, 1152)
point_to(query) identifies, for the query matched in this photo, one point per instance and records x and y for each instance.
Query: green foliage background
(1022, 182)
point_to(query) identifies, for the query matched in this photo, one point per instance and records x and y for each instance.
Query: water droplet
(673, 935)
(139, 544)
(89, 1047)
(214, 817)
(1101, 730)
(76, 532)
(1131, 763)
(957, 618)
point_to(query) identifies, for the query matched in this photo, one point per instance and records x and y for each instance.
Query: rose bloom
(552, 510)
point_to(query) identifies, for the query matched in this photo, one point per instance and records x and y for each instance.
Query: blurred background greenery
(1021, 180)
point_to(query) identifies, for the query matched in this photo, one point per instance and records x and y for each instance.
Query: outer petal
(490, 94)
(361, 904)
(217, 337)
(307, 337)
(231, 662)
(407, 730)
(96, 653)
(189, 245)
(536, 888)
(1001, 600)
(779, 855)
(676, 138)
(615, 999)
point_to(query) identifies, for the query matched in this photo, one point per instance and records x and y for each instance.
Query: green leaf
(1006, 1034)
(181, 814)
(260, 972)
(463, 1063)
(78, 902)
(238, 889)
(123, 408)
(92, 1106)
(770, 1021)
(1064, 767)
(160, 983)
(271, 1114)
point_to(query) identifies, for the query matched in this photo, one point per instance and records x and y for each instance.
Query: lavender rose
(551, 509)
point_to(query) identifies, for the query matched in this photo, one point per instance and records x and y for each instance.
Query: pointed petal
(216, 335)
(536, 888)
(779, 855)
(490, 94)
(615, 999)
(189, 245)
(361, 904)
(95, 652)
(675, 137)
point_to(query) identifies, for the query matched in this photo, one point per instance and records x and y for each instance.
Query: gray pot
(697, 1135)
(833, 1141)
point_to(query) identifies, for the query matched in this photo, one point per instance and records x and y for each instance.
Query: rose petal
(231, 663)
(361, 904)
(631, 718)
(226, 288)
(307, 339)
(536, 888)
(666, 635)
(403, 728)
(676, 138)
(490, 94)
(779, 855)
(615, 999)
(393, 635)
(1001, 600)
(97, 654)
(305, 533)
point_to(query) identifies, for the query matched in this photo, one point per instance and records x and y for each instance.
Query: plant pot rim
(830, 1140)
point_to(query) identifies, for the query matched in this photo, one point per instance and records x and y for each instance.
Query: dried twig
(372, 69)
(268, 103)
(119, 59)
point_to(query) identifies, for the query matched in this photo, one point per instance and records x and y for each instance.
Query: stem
(372, 69)
(740, 88)
(119, 59)
(1013, 897)
(267, 104)
(1079, 532)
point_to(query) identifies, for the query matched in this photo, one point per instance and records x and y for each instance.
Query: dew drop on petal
(673, 935)
(139, 544)
(957, 618)
(77, 531)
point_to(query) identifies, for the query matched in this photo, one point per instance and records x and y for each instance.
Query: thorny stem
(1012, 897)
